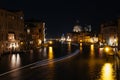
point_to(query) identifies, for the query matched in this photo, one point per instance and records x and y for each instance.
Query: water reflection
(92, 49)
(44, 52)
(100, 52)
(107, 72)
(92, 61)
(50, 53)
(80, 47)
(69, 47)
(15, 61)
(51, 64)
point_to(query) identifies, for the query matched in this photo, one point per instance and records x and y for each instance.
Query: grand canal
(58, 62)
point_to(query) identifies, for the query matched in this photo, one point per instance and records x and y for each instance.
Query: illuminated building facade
(11, 29)
(35, 33)
(80, 34)
(80, 37)
(108, 34)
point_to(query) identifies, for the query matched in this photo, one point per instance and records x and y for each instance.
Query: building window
(11, 37)
(21, 17)
(28, 31)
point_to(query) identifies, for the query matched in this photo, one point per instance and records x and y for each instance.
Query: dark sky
(61, 15)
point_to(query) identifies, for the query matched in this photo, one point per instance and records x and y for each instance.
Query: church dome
(77, 27)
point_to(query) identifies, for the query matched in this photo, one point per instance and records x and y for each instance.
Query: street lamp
(108, 50)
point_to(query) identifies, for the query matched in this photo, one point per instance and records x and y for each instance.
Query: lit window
(11, 37)
(21, 17)
(28, 31)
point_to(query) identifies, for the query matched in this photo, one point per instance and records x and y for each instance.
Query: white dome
(77, 28)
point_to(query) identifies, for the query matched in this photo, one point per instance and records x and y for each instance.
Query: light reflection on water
(80, 47)
(50, 53)
(93, 66)
(69, 47)
(107, 72)
(108, 69)
(51, 63)
(92, 49)
(15, 63)
(100, 52)
(92, 61)
(44, 52)
(15, 60)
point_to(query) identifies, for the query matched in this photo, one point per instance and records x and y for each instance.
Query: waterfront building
(81, 34)
(108, 34)
(35, 33)
(11, 30)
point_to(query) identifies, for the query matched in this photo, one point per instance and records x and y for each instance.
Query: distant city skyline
(60, 16)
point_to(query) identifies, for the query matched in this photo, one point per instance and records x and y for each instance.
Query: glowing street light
(50, 42)
(107, 49)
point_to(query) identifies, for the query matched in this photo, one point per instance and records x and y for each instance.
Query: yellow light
(69, 47)
(107, 49)
(69, 40)
(115, 40)
(39, 41)
(50, 55)
(92, 49)
(107, 72)
(80, 44)
(100, 50)
(80, 47)
(91, 40)
(50, 42)
(80, 40)
(21, 43)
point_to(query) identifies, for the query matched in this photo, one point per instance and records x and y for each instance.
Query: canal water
(56, 50)
(89, 64)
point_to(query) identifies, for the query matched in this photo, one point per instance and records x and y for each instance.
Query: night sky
(61, 15)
